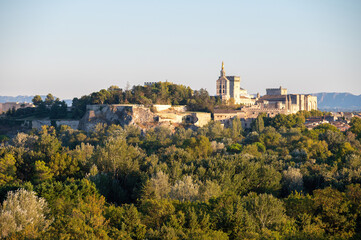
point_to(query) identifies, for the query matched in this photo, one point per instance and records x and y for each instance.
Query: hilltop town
(146, 109)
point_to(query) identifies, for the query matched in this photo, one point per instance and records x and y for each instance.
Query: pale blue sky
(71, 48)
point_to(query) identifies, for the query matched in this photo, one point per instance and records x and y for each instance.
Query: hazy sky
(72, 48)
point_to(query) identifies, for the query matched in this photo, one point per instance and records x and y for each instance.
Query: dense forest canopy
(276, 181)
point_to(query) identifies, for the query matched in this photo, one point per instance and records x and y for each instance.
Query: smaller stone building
(276, 91)
(4, 107)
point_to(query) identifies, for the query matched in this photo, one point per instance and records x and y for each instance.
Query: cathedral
(276, 101)
(229, 89)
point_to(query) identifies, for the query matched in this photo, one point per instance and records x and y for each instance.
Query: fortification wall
(199, 119)
(170, 117)
(247, 114)
(74, 124)
(179, 108)
(37, 124)
(276, 91)
(160, 108)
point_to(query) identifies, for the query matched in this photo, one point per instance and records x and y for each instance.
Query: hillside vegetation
(158, 93)
(277, 181)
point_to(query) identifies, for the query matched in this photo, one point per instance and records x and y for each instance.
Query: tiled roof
(274, 97)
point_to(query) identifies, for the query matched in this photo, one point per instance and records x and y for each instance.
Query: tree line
(50, 107)
(157, 93)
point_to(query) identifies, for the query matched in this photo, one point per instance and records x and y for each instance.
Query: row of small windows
(220, 90)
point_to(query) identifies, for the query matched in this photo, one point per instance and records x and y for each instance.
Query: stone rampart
(37, 124)
(160, 108)
(180, 108)
(74, 124)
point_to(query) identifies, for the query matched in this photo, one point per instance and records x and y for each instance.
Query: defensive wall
(37, 124)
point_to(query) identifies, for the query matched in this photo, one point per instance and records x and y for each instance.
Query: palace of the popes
(276, 101)
(229, 90)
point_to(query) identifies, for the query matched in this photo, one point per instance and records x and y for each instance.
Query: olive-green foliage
(77, 208)
(266, 212)
(23, 215)
(258, 124)
(7, 169)
(356, 126)
(125, 222)
(217, 182)
(158, 93)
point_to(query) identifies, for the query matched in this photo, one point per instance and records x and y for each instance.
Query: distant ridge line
(27, 98)
(338, 101)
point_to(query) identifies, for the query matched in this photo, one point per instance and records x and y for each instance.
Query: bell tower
(223, 85)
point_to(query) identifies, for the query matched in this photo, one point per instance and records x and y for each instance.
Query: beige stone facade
(276, 101)
(229, 88)
(223, 86)
(291, 102)
(246, 114)
(246, 101)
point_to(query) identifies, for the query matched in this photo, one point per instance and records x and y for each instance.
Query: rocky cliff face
(115, 114)
(139, 115)
(123, 115)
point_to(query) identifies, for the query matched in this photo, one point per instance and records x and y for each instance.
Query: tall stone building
(229, 88)
(276, 101)
(226, 85)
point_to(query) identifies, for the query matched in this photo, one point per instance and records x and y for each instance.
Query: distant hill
(17, 99)
(28, 99)
(338, 101)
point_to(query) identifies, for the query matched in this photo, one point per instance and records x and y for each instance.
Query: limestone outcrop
(132, 114)
(116, 114)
